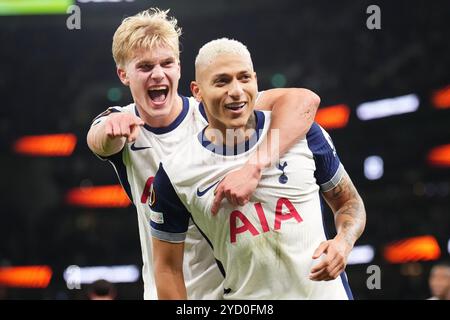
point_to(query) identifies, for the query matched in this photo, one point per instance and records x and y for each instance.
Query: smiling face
(153, 77)
(227, 87)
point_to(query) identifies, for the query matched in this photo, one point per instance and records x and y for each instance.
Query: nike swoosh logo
(201, 193)
(134, 148)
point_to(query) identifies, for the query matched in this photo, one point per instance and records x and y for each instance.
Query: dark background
(55, 80)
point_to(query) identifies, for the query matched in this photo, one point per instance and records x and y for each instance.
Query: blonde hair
(146, 30)
(209, 51)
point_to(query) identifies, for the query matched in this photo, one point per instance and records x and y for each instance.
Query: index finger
(218, 197)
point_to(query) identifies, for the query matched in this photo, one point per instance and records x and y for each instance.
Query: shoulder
(198, 112)
(185, 154)
(192, 101)
(186, 162)
(318, 138)
(329, 169)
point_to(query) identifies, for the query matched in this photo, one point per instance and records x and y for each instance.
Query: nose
(235, 90)
(157, 73)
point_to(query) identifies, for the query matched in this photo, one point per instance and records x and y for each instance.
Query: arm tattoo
(348, 208)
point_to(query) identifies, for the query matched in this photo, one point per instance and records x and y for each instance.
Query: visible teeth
(158, 88)
(235, 105)
(158, 93)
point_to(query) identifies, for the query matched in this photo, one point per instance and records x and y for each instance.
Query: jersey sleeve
(329, 170)
(169, 218)
(104, 114)
(101, 117)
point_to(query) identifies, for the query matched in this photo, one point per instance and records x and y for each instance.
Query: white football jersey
(264, 249)
(136, 166)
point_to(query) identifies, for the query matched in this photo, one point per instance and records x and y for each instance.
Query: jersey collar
(240, 148)
(174, 124)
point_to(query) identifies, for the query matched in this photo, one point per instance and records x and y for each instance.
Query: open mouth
(235, 106)
(158, 94)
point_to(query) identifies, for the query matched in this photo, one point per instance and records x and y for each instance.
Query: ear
(122, 74)
(195, 89)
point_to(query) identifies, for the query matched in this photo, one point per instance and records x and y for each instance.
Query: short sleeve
(329, 170)
(169, 218)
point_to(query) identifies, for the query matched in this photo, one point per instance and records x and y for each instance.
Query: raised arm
(168, 264)
(350, 220)
(293, 112)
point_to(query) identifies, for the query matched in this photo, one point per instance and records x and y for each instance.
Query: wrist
(344, 238)
(259, 161)
(255, 169)
(110, 145)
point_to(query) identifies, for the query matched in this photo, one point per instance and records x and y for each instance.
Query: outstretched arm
(293, 112)
(350, 220)
(168, 263)
(109, 136)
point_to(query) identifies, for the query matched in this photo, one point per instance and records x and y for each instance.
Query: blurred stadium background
(385, 101)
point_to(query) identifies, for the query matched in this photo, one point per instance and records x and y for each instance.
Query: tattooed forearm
(350, 220)
(337, 191)
(348, 208)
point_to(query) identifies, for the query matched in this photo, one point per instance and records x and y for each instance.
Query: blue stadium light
(388, 107)
(361, 254)
(75, 275)
(373, 167)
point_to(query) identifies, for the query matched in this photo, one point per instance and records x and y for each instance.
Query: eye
(246, 77)
(145, 67)
(220, 82)
(168, 63)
